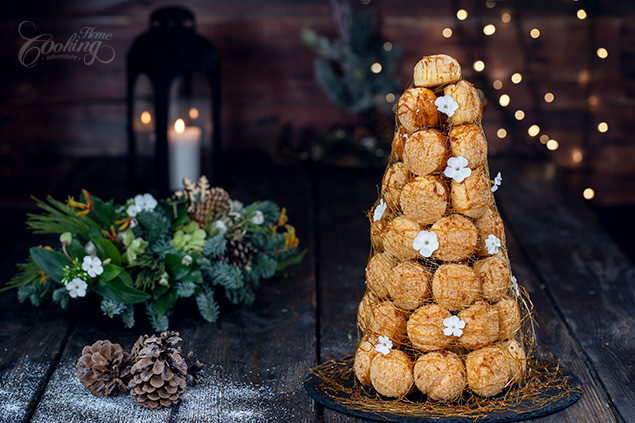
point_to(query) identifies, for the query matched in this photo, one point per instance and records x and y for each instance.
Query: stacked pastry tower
(440, 313)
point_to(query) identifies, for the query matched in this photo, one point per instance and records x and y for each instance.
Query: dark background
(57, 114)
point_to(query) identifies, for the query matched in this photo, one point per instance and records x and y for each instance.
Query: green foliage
(155, 225)
(158, 321)
(112, 308)
(214, 247)
(264, 266)
(58, 218)
(343, 70)
(186, 289)
(207, 306)
(224, 274)
(164, 256)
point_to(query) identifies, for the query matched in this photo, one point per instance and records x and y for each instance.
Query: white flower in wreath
(492, 243)
(515, 286)
(259, 218)
(221, 227)
(132, 210)
(497, 182)
(457, 169)
(446, 104)
(145, 202)
(92, 266)
(89, 248)
(426, 242)
(453, 326)
(76, 288)
(379, 210)
(384, 345)
(186, 260)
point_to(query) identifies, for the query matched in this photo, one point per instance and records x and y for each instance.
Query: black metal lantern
(173, 93)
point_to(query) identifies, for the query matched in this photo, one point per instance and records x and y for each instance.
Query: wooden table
(580, 283)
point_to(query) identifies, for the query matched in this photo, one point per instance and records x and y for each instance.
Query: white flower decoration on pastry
(457, 169)
(497, 182)
(492, 243)
(515, 286)
(453, 326)
(379, 210)
(76, 288)
(92, 266)
(426, 242)
(384, 345)
(446, 104)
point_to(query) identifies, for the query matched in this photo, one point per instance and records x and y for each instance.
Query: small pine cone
(238, 253)
(104, 369)
(212, 206)
(159, 372)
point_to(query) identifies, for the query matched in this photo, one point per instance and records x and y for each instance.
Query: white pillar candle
(184, 154)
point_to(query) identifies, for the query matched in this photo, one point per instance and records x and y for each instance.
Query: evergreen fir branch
(150, 270)
(224, 274)
(185, 289)
(61, 297)
(112, 308)
(244, 295)
(161, 247)
(28, 273)
(207, 305)
(158, 321)
(264, 265)
(127, 316)
(155, 224)
(214, 247)
(58, 218)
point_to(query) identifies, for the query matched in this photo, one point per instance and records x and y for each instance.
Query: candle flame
(146, 117)
(179, 126)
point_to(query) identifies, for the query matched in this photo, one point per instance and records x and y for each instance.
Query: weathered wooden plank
(344, 196)
(257, 357)
(587, 277)
(30, 338)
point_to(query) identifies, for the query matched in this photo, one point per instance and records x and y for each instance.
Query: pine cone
(104, 369)
(158, 374)
(238, 253)
(137, 347)
(211, 206)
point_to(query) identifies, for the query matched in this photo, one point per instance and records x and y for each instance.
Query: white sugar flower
(89, 248)
(221, 226)
(165, 279)
(492, 243)
(259, 218)
(457, 169)
(446, 104)
(515, 286)
(92, 266)
(384, 345)
(76, 288)
(497, 182)
(145, 202)
(453, 326)
(379, 210)
(426, 242)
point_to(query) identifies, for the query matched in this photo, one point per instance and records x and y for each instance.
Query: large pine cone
(158, 374)
(215, 204)
(104, 369)
(238, 253)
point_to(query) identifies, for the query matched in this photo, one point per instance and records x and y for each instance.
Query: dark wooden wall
(69, 108)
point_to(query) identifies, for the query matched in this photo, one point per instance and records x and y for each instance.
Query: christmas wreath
(198, 243)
